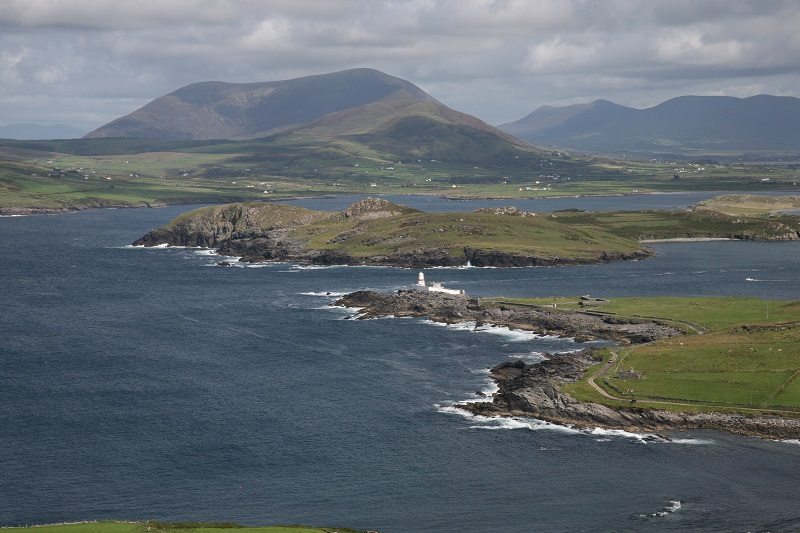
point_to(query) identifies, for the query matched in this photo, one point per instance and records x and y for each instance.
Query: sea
(151, 383)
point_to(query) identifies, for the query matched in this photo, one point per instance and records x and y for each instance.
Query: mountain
(687, 124)
(40, 131)
(360, 107)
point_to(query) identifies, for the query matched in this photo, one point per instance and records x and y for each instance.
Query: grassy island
(375, 231)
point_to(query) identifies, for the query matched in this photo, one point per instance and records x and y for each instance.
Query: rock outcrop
(534, 390)
(455, 308)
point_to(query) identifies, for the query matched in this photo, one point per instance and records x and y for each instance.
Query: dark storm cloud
(88, 61)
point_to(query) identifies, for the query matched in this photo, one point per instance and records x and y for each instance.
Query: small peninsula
(678, 363)
(375, 231)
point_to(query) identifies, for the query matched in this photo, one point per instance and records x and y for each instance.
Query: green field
(738, 354)
(751, 204)
(537, 236)
(696, 223)
(136, 171)
(144, 527)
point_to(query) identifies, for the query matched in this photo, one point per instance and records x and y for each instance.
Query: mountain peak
(222, 110)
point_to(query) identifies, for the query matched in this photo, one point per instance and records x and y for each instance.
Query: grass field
(751, 204)
(739, 353)
(406, 233)
(146, 171)
(144, 527)
(681, 224)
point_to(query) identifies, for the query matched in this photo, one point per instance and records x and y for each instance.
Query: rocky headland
(451, 308)
(535, 390)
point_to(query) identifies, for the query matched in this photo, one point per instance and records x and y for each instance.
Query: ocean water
(151, 384)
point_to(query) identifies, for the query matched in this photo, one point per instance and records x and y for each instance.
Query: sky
(86, 62)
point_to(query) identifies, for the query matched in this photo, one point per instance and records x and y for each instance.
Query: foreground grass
(144, 527)
(739, 354)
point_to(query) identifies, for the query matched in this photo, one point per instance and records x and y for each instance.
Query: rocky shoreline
(451, 308)
(276, 245)
(534, 390)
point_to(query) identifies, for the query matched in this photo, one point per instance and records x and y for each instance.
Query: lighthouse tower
(421, 279)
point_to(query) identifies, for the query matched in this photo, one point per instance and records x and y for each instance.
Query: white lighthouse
(434, 287)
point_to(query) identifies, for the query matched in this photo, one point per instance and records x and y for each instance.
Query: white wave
(326, 267)
(510, 335)
(13, 216)
(176, 247)
(790, 441)
(641, 437)
(489, 422)
(671, 507)
(530, 357)
(326, 294)
(700, 442)
(534, 424)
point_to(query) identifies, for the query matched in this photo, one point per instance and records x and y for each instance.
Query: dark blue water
(147, 383)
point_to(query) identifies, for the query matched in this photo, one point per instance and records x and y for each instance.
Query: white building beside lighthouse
(434, 286)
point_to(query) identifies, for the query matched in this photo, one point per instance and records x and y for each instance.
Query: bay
(149, 383)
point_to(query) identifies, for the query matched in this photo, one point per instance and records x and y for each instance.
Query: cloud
(498, 59)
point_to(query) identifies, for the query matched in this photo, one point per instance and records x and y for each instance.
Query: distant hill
(40, 131)
(687, 124)
(362, 107)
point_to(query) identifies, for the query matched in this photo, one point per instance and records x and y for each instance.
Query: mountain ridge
(681, 124)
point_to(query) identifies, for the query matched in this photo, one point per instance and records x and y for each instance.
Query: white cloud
(269, 35)
(498, 59)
